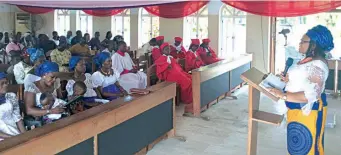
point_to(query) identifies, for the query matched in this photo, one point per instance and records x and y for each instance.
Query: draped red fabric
(35, 10)
(176, 10)
(103, 13)
(284, 8)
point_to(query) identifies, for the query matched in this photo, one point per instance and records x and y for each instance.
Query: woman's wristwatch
(47, 111)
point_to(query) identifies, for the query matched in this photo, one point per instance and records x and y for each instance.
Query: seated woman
(193, 61)
(22, 68)
(206, 53)
(45, 82)
(168, 69)
(77, 66)
(11, 123)
(130, 76)
(105, 80)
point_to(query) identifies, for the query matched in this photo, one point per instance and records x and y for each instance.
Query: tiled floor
(226, 132)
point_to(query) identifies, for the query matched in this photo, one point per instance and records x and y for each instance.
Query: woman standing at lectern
(304, 94)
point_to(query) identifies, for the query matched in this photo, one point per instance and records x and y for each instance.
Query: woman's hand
(57, 110)
(125, 93)
(276, 92)
(284, 78)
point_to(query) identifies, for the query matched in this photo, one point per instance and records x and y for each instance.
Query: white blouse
(20, 71)
(99, 80)
(309, 78)
(90, 92)
(10, 115)
(31, 87)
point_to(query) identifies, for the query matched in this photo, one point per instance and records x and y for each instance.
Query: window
(148, 26)
(195, 26)
(120, 25)
(62, 21)
(84, 22)
(298, 26)
(232, 32)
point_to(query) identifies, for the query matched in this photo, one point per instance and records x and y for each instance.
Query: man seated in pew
(193, 61)
(11, 122)
(95, 43)
(156, 53)
(46, 101)
(80, 49)
(106, 80)
(14, 48)
(206, 53)
(146, 48)
(177, 50)
(61, 55)
(169, 70)
(44, 81)
(130, 76)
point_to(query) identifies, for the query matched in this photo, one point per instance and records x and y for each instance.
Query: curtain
(103, 13)
(35, 10)
(89, 5)
(176, 10)
(284, 8)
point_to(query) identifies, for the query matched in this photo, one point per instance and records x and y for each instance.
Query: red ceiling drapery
(176, 10)
(35, 10)
(103, 13)
(284, 8)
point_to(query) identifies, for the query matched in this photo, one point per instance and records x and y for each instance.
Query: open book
(272, 81)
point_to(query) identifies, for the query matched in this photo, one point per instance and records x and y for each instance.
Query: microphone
(287, 65)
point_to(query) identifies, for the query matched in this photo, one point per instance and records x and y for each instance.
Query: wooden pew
(334, 79)
(127, 125)
(215, 80)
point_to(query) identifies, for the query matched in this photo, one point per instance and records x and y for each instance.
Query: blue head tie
(73, 62)
(35, 54)
(100, 58)
(46, 67)
(2, 75)
(322, 37)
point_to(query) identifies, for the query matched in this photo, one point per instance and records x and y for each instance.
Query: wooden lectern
(254, 77)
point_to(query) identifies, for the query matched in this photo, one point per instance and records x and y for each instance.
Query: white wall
(257, 39)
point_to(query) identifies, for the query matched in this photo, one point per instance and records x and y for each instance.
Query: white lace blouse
(98, 79)
(10, 115)
(309, 78)
(90, 92)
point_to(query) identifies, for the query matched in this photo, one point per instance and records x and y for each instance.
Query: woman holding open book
(304, 94)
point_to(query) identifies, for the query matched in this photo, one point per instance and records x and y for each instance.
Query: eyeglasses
(303, 41)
